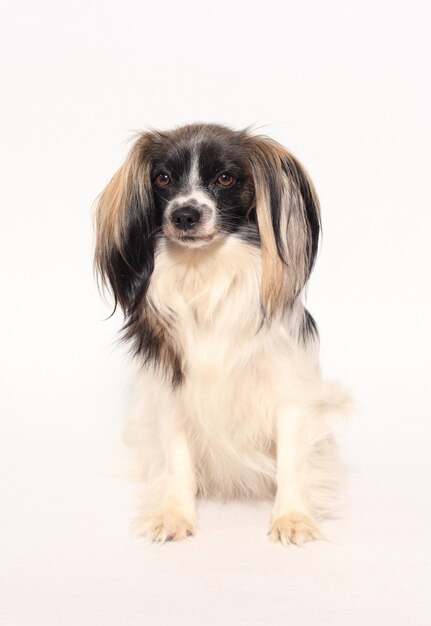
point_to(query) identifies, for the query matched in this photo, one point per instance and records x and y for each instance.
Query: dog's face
(200, 183)
(202, 186)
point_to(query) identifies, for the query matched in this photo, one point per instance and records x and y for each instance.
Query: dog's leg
(171, 512)
(291, 521)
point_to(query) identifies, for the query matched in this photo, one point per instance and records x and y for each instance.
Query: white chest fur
(239, 373)
(236, 368)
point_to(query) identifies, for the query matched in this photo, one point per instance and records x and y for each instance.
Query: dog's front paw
(166, 525)
(294, 528)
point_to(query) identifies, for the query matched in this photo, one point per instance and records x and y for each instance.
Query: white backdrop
(346, 87)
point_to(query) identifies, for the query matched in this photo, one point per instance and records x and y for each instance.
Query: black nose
(185, 218)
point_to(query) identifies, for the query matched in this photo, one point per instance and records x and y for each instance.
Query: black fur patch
(129, 270)
(309, 328)
(152, 342)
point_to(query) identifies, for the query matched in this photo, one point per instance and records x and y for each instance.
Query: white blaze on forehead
(194, 180)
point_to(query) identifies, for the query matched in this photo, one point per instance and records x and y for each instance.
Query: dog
(206, 237)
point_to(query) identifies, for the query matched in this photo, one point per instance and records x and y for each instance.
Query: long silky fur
(222, 332)
(288, 215)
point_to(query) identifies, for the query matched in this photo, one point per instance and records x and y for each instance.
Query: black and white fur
(207, 237)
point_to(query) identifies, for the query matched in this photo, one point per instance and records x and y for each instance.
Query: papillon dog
(206, 237)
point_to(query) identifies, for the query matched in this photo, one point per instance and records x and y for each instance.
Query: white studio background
(346, 87)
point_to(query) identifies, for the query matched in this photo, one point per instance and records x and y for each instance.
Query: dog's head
(196, 185)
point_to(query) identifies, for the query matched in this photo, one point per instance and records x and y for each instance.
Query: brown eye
(225, 180)
(162, 180)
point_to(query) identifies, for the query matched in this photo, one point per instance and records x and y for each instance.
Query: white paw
(294, 528)
(166, 525)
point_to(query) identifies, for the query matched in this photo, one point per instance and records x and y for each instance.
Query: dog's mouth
(189, 238)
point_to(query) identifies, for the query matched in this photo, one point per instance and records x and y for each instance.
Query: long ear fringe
(124, 209)
(288, 216)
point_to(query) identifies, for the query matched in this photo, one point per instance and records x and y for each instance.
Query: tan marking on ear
(282, 279)
(111, 208)
(272, 265)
